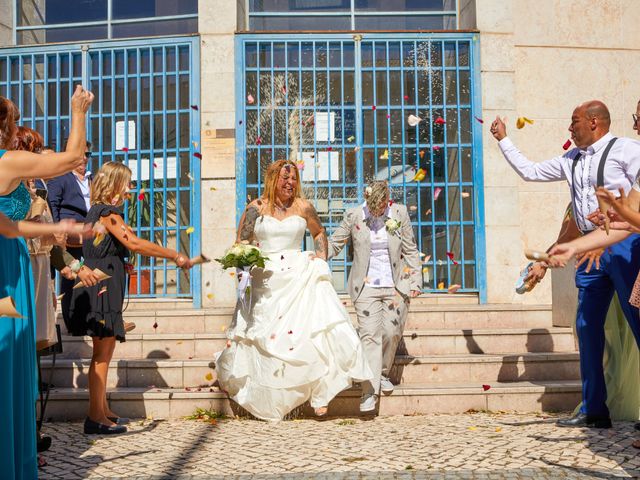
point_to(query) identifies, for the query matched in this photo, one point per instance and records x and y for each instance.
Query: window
(353, 14)
(49, 21)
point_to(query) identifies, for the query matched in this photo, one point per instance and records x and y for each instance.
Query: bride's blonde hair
(271, 181)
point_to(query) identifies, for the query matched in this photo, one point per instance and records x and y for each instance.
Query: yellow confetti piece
(190, 230)
(213, 189)
(441, 286)
(97, 240)
(520, 122)
(210, 296)
(102, 321)
(420, 175)
(498, 429)
(351, 138)
(385, 155)
(208, 377)
(232, 274)
(223, 328)
(471, 428)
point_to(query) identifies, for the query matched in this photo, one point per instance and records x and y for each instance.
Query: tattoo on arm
(321, 245)
(249, 223)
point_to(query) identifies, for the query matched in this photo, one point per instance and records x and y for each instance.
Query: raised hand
(498, 129)
(81, 100)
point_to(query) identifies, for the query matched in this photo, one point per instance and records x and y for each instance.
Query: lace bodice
(273, 235)
(16, 204)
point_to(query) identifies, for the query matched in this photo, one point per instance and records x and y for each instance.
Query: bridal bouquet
(243, 257)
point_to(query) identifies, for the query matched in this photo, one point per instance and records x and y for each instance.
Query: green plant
(206, 415)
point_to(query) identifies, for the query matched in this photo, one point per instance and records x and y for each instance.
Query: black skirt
(99, 314)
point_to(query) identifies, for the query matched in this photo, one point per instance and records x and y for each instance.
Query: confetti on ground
(213, 189)
(250, 99)
(195, 107)
(413, 120)
(453, 288)
(498, 429)
(190, 230)
(208, 377)
(479, 119)
(437, 192)
(521, 121)
(486, 387)
(471, 428)
(198, 155)
(385, 155)
(232, 274)
(439, 121)
(566, 145)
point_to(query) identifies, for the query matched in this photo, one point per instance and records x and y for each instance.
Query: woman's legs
(107, 411)
(102, 352)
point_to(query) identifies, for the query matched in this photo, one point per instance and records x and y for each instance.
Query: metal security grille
(141, 116)
(340, 105)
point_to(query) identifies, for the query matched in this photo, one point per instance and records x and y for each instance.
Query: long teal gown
(18, 378)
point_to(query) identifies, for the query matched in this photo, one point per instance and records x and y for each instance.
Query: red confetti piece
(406, 97)
(188, 389)
(357, 227)
(373, 107)
(198, 155)
(155, 325)
(155, 165)
(250, 99)
(390, 202)
(125, 149)
(259, 141)
(436, 148)
(439, 121)
(450, 256)
(486, 387)
(141, 196)
(388, 115)
(284, 90)
(290, 332)
(329, 148)
(566, 145)
(195, 107)
(479, 119)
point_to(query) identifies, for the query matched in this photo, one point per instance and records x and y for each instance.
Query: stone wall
(540, 59)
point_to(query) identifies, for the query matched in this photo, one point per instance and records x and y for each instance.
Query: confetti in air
(421, 154)
(197, 155)
(521, 121)
(351, 139)
(373, 107)
(451, 257)
(420, 175)
(208, 377)
(250, 99)
(413, 120)
(102, 290)
(566, 145)
(441, 286)
(190, 230)
(437, 192)
(479, 119)
(439, 121)
(486, 387)
(125, 149)
(194, 107)
(385, 155)
(465, 194)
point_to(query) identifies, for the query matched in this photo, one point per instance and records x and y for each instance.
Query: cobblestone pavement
(474, 446)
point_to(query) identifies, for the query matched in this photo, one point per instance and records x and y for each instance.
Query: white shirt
(85, 187)
(621, 168)
(379, 274)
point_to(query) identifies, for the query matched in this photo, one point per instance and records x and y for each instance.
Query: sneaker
(386, 386)
(368, 402)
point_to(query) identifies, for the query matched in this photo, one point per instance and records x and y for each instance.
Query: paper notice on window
(325, 123)
(129, 134)
(321, 167)
(140, 173)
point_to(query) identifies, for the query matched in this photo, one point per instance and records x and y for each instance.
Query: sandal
(321, 411)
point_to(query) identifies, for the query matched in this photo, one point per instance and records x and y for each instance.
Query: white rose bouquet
(392, 225)
(242, 255)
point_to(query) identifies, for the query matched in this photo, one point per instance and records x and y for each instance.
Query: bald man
(599, 159)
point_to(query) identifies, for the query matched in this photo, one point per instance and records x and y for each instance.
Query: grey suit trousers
(382, 313)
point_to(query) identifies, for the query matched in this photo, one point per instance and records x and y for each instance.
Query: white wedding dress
(296, 342)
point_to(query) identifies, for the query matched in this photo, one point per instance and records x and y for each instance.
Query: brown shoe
(636, 444)
(129, 326)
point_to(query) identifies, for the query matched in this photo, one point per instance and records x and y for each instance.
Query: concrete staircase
(456, 355)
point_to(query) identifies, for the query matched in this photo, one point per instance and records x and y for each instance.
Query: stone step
(416, 343)
(71, 404)
(420, 317)
(407, 370)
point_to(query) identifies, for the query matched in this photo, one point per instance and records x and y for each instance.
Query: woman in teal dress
(18, 379)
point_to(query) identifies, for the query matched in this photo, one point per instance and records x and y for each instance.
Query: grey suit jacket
(403, 252)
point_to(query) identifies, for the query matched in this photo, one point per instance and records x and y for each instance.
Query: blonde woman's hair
(377, 193)
(108, 185)
(271, 181)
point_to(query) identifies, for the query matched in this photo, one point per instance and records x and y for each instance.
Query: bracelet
(76, 265)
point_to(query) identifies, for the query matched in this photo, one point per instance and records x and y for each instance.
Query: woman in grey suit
(384, 276)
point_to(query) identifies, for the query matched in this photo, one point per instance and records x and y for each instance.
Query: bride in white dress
(294, 342)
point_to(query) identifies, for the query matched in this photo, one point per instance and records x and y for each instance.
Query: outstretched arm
(29, 229)
(339, 238)
(318, 233)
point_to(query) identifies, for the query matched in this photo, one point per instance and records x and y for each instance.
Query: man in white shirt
(385, 275)
(599, 160)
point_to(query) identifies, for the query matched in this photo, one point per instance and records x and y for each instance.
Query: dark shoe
(637, 426)
(44, 443)
(120, 420)
(91, 428)
(584, 420)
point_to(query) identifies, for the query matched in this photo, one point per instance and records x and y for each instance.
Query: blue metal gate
(142, 116)
(340, 104)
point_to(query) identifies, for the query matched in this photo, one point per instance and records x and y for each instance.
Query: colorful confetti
(190, 230)
(521, 121)
(439, 121)
(413, 208)
(250, 99)
(566, 145)
(436, 148)
(351, 139)
(406, 97)
(210, 296)
(441, 286)
(198, 155)
(486, 387)
(465, 194)
(420, 175)
(479, 119)
(195, 107)
(125, 149)
(208, 377)
(102, 290)
(421, 154)
(373, 107)
(258, 141)
(97, 240)
(451, 257)
(385, 155)
(436, 193)
(427, 213)
(388, 115)
(141, 194)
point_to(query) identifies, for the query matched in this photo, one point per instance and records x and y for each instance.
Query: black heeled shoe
(95, 428)
(120, 420)
(44, 443)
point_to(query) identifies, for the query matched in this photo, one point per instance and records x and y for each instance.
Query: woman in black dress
(97, 311)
